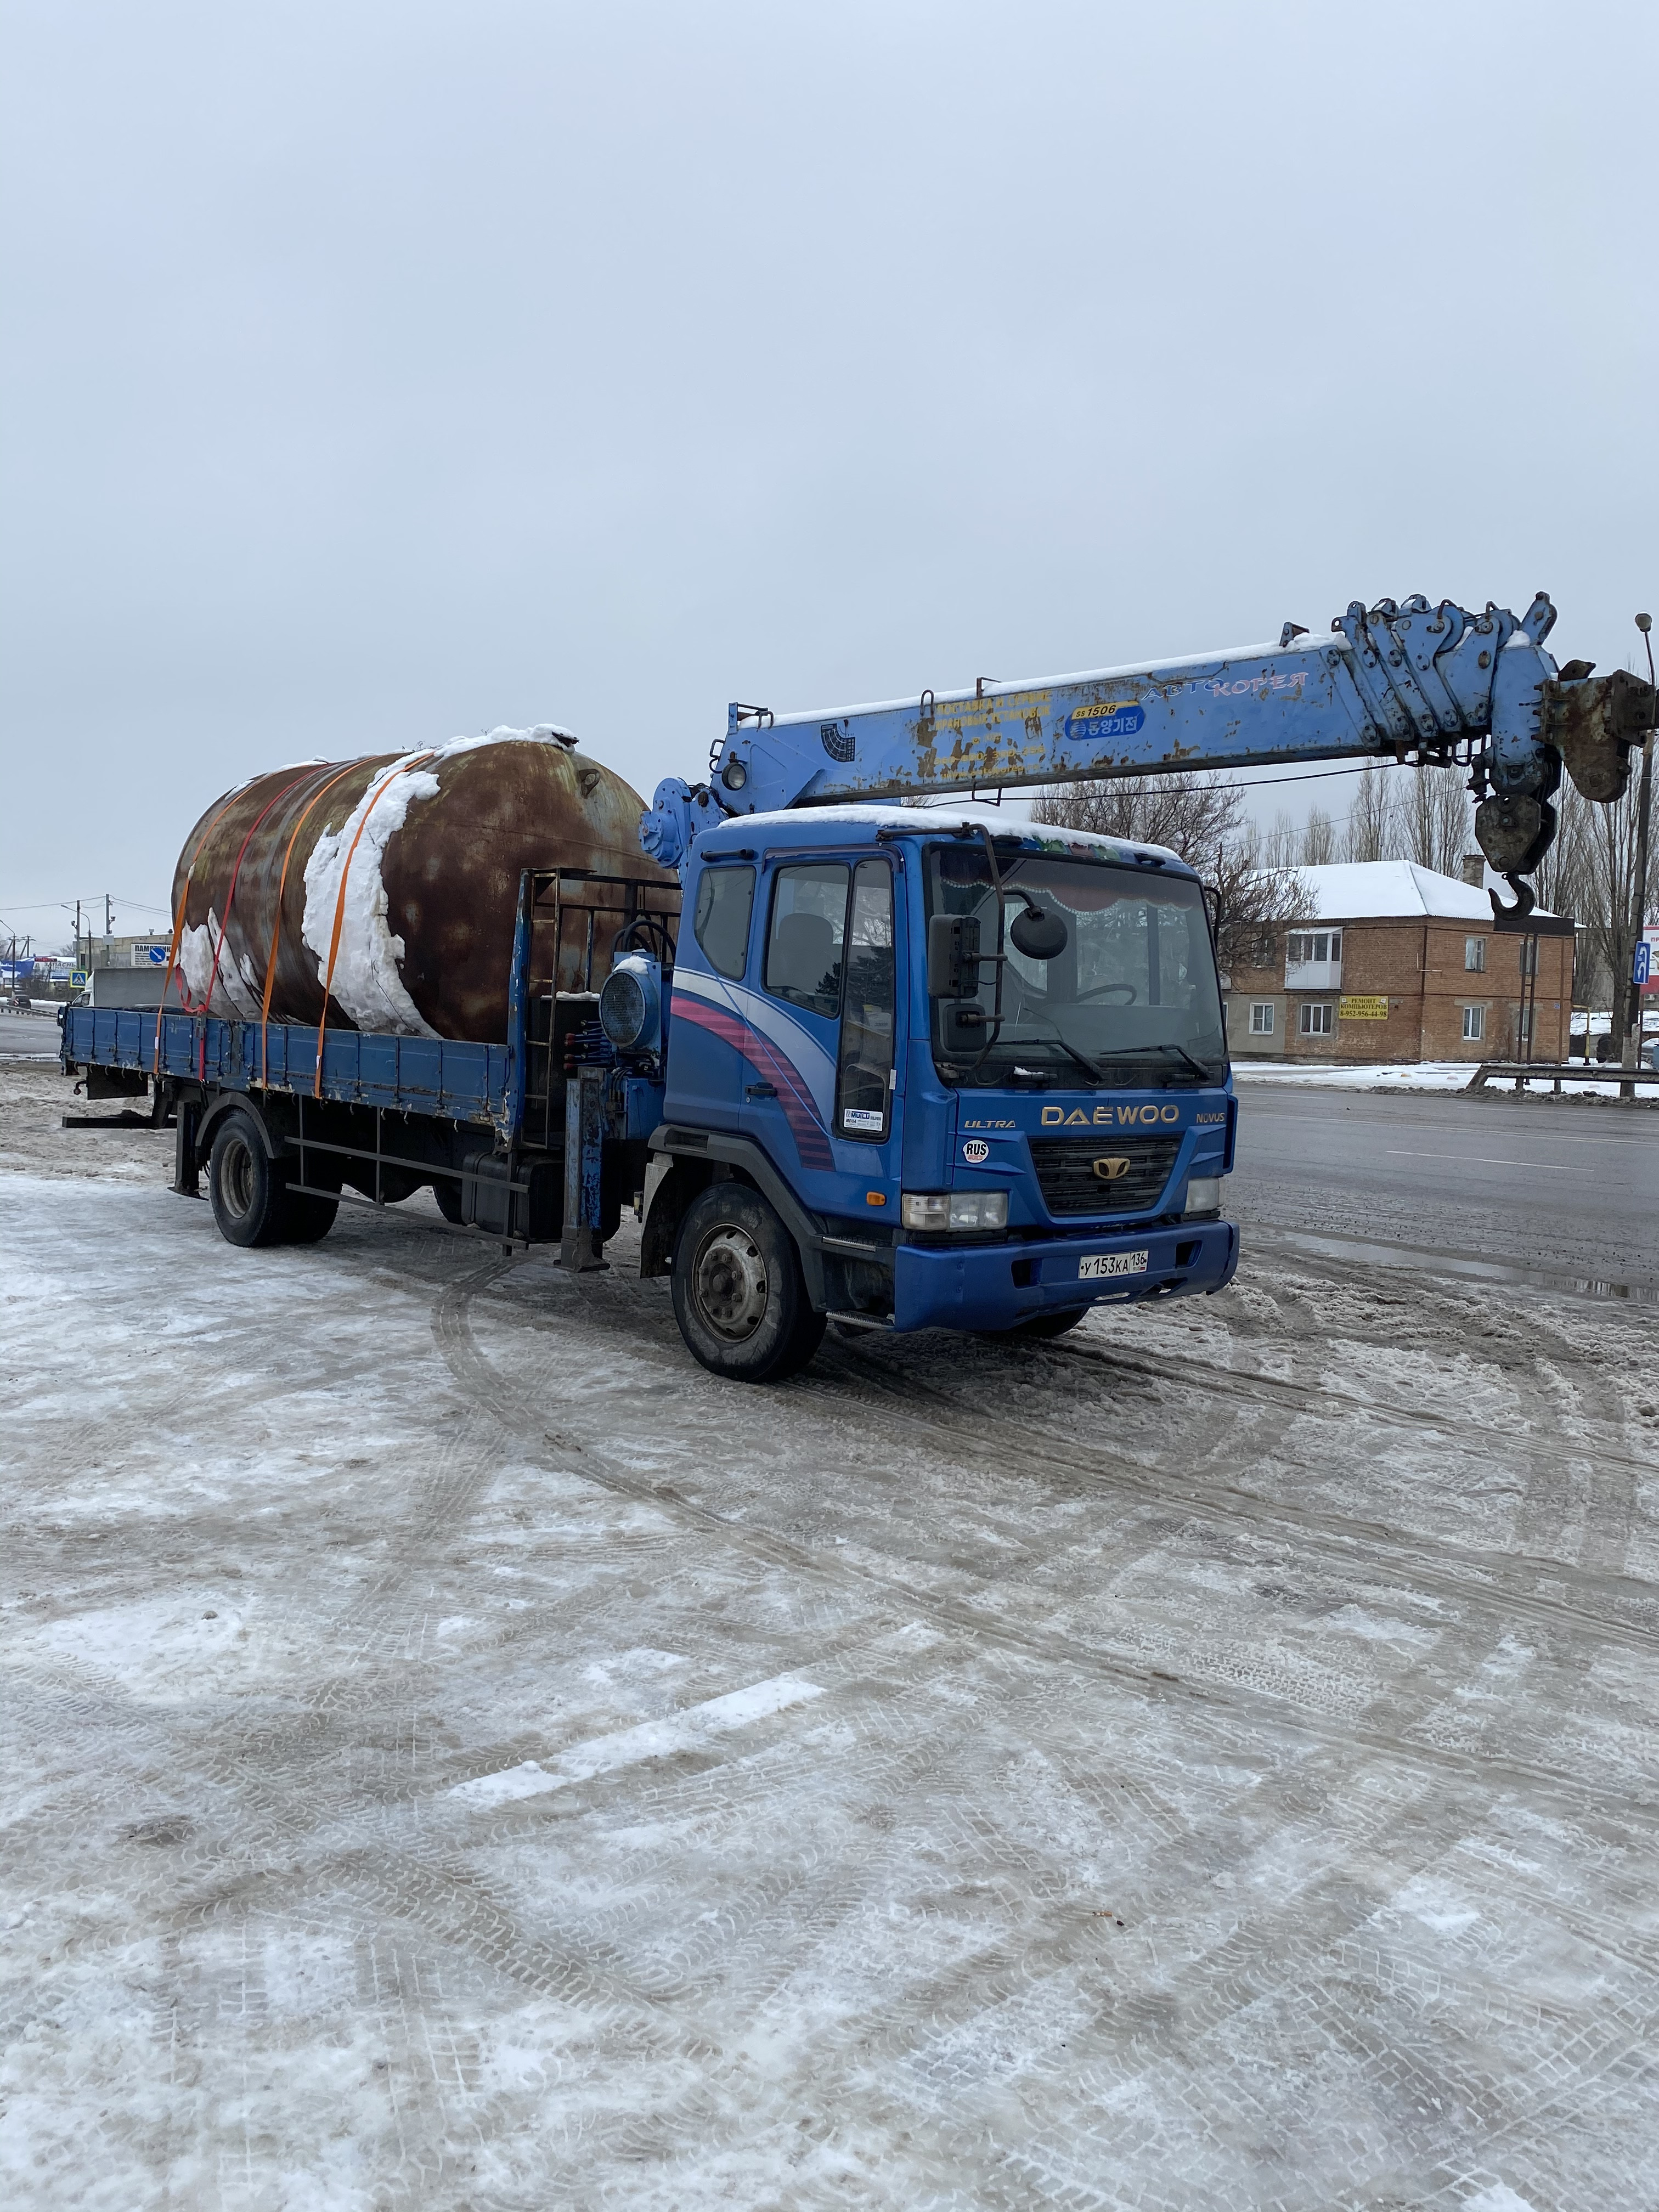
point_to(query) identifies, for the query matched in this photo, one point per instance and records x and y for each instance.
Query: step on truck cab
(932, 1068)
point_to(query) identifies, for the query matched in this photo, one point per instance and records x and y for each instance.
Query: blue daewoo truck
(906, 1068)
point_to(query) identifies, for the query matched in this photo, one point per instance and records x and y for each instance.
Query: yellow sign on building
(1362, 1010)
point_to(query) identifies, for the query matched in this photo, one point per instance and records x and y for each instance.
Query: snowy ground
(461, 1756)
(1411, 1075)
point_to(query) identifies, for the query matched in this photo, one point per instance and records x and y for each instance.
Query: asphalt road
(1569, 1189)
(28, 1036)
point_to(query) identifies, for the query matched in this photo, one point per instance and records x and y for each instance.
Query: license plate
(1098, 1264)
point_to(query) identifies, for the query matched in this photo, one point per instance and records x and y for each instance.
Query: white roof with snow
(1377, 891)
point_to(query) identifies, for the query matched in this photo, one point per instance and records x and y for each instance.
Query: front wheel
(739, 1295)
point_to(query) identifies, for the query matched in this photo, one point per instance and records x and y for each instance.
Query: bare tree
(1318, 839)
(1202, 817)
(1370, 819)
(1432, 819)
(1190, 814)
(1281, 846)
(1591, 873)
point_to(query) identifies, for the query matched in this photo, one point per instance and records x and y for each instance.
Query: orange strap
(206, 1005)
(179, 919)
(413, 762)
(277, 926)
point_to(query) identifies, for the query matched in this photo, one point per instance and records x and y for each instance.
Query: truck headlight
(954, 1209)
(1204, 1194)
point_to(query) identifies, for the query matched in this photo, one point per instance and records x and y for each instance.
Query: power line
(41, 906)
(1314, 774)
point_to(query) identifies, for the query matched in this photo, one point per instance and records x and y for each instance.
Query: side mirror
(953, 955)
(1039, 933)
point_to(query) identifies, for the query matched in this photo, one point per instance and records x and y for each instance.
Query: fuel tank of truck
(388, 886)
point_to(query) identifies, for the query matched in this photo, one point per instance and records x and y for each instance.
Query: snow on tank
(388, 886)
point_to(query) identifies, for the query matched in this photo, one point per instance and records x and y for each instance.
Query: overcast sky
(375, 374)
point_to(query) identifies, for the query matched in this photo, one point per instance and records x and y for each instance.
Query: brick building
(1398, 964)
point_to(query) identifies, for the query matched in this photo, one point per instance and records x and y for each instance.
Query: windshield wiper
(1139, 1052)
(1088, 1065)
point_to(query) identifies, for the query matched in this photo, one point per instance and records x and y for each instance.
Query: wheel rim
(236, 1179)
(730, 1284)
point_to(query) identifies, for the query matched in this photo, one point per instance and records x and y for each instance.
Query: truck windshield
(1130, 1001)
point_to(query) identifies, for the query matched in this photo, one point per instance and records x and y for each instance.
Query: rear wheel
(739, 1295)
(250, 1203)
(309, 1218)
(448, 1193)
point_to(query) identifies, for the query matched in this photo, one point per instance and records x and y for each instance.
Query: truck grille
(1066, 1177)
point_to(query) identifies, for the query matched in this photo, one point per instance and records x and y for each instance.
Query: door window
(809, 924)
(864, 1089)
(725, 898)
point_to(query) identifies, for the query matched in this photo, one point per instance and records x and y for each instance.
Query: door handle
(761, 1090)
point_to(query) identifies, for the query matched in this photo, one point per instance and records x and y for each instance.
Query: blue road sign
(1644, 967)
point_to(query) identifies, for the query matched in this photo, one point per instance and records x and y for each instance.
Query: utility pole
(1638, 897)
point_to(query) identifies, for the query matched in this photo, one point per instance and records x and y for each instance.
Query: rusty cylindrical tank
(389, 885)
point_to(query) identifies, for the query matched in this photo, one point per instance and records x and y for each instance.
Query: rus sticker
(976, 1151)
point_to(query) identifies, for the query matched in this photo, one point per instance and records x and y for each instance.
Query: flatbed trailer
(374, 1118)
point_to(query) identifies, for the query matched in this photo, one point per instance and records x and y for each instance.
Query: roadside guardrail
(1557, 1072)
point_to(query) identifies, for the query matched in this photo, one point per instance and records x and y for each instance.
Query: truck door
(821, 1099)
(708, 1034)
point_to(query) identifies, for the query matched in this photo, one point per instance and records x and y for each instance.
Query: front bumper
(989, 1286)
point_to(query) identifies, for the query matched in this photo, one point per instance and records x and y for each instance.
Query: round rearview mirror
(1038, 932)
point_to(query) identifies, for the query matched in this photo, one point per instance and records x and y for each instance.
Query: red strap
(224, 924)
(179, 919)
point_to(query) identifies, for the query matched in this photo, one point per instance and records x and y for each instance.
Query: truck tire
(739, 1295)
(248, 1190)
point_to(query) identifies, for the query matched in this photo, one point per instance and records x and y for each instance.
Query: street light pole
(1638, 900)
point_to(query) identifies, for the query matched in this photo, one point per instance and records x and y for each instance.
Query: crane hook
(1525, 900)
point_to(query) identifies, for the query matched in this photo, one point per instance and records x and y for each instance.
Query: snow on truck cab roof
(829, 825)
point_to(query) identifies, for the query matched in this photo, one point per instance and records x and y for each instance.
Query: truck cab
(929, 1067)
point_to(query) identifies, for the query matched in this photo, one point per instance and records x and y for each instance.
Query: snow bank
(1419, 1075)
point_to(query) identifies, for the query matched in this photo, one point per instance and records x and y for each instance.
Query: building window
(1312, 947)
(1474, 1024)
(1316, 1021)
(1262, 1018)
(1530, 956)
(1524, 1027)
(1474, 955)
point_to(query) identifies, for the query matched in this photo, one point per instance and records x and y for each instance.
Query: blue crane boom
(1407, 682)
